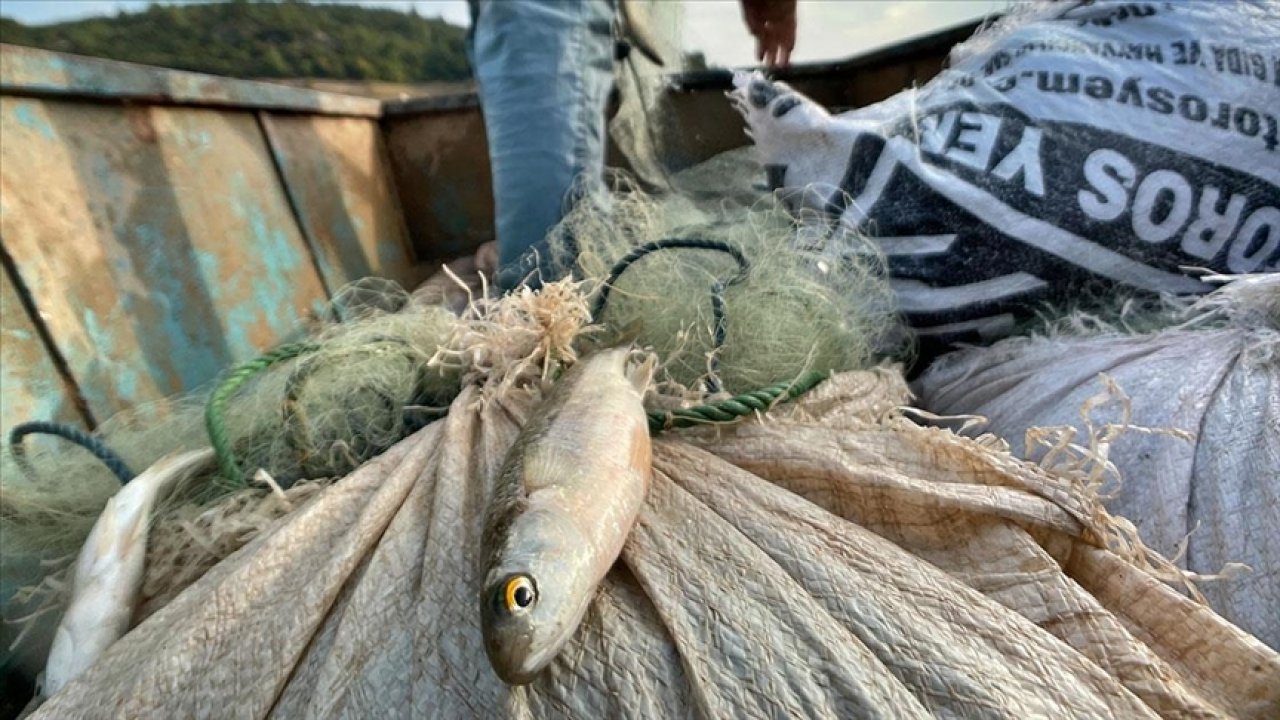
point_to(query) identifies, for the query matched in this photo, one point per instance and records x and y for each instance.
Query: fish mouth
(525, 672)
(514, 664)
(513, 658)
(516, 676)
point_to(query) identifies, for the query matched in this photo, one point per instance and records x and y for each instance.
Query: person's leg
(544, 71)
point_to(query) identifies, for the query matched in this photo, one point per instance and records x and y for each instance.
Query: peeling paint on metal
(30, 387)
(126, 381)
(338, 179)
(160, 248)
(159, 245)
(27, 117)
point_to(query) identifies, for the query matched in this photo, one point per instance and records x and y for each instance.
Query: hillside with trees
(286, 39)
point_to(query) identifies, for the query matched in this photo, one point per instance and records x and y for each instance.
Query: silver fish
(109, 569)
(566, 498)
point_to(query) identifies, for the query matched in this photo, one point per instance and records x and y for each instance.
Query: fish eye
(519, 594)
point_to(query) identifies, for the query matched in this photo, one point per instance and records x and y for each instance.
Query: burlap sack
(834, 560)
(1214, 499)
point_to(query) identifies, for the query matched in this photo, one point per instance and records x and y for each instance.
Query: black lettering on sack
(1246, 121)
(1257, 66)
(1118, 14)
(1004, 84)
(998, 61)
(1223, 118)
(1243, 62)
(1234, 63)
(1058, 82)
(1130, 92)
(1099, 88)
(1004, 58)
(1224, 115)
(1193, 108)
(1185, 52)
(1243, 120)
(1160, 100)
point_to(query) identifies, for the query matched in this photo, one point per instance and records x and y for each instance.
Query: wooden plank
(29, 71)
(338, 177)
(30, 386)
(441, 166)
(156, 242)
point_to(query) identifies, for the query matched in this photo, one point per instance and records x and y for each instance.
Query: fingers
(775, 46)
(786, 41)
(773, 23)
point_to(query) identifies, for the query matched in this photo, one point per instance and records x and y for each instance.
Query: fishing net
(744, 310)
(833, 558)
(361, 385)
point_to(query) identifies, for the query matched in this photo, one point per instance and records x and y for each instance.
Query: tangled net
(789, 312)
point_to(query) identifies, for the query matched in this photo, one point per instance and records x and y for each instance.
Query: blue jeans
(544, 71)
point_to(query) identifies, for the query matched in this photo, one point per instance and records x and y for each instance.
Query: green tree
(288, 38)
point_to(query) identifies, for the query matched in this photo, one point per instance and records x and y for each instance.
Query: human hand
(773, 23)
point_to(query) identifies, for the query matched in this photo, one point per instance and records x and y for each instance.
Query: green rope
(722, 412)
(734, 408)
(214, 421)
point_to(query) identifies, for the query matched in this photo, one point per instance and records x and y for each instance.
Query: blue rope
(75, 435)
(718, 330)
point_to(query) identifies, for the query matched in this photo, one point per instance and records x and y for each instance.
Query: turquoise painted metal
(338, 178)
(32, 387)
(158, 240)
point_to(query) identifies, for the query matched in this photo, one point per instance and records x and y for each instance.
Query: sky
(827, 29)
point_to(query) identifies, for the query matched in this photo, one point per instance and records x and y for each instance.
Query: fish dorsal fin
(641, 373)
